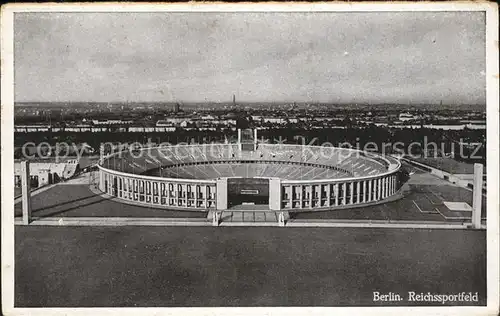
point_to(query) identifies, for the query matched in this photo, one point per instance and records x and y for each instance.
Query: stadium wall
(338, 193)
(289, 195)
(159, 192)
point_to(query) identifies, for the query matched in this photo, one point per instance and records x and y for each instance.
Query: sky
(392, 57)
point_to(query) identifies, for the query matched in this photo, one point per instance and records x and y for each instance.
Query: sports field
(241, 266)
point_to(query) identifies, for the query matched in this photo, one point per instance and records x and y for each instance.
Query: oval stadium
(248, 174)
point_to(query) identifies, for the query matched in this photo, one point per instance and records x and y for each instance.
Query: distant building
(32, 128)
(208, 118)
(274, 120)
(110, 122)
(407, 117)
(168, 121)
(44, 173)
(176, 108)
(164, 123)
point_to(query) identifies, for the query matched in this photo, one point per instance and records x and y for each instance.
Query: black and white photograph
(234, 156)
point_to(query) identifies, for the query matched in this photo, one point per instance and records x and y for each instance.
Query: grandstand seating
(308, 162)
(250, 170)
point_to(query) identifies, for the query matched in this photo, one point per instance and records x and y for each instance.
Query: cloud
(341, 57)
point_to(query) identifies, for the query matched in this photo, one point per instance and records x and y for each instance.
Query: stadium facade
(278, 177)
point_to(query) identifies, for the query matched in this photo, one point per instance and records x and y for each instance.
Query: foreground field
(238, 266)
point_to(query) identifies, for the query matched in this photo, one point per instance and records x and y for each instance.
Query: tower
(26, 193)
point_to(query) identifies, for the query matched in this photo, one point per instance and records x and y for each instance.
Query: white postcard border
(493, 132)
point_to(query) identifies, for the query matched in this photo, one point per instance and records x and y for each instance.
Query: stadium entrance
(248, 191)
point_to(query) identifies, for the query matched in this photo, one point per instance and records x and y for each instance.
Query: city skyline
(341, 58)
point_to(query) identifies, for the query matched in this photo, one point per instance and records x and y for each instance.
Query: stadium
(249, 174)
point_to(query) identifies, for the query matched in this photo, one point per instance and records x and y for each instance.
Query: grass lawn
(241, 266)
(447, 164)
(78, 200)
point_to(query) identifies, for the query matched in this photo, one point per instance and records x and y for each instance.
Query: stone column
(369, 195)
(336, 194)
(177, 194)
(379, 188)
(310, 189)
(26, 193)
(109, 179)
(118, 186)
(392, 185)
(344, 193)
(196, 192)
(255, 139)
(477, 195)
(101, 180)
(281, 219)
(215, 218)
(221, 192)
(275, 194)
(135, 184)
(364, 191)
(152, 191)
(384, 189)
(328, 195)
(358, 192)
(351, 200)
(301, 196)
(126, 188)
(207, 196)
(239, 139)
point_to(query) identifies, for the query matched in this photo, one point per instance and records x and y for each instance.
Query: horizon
(251, 103)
